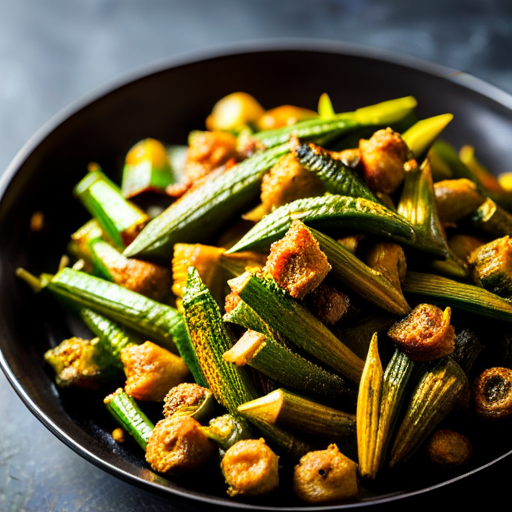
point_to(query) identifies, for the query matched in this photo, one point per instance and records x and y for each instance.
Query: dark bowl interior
(166, 104)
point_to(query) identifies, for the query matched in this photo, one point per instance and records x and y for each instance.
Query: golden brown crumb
(179, 445)
(382, 160)
(328, 303)
(296, 261)
(185, 395)
(119, 435)
(425, 334)
(284, 115)
(232, 301)
(207, 151)
(250, 468)
(287, 181)
(325, 476)
(448, 448)
(151, 371)
(149, 279)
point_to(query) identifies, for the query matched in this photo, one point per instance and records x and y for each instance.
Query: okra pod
(282, 407)
(293, 321)
(158, 322)
(447, 292)
(146, 169)
(331, 214)
(365, 281)
(204, 210)
(290, 369)
(418, 205)
(129, 415)
(434, 397)
(230, 384)
(119, 219)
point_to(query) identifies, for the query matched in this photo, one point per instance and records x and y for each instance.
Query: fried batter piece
(296, 262)
(447, 448)
(325, 476)
(286, 181)
(425, 334)
(151, 371)
(382, 159)
(179, 445)
(207, 151)
(284, 115)
(455, 199)
(250, 468)
(149, 279)
(328, 303)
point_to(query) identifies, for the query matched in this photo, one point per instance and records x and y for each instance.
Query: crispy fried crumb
(382, 160)
(425, 334)
(296, 261)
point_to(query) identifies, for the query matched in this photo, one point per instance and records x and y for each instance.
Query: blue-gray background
(54, 51)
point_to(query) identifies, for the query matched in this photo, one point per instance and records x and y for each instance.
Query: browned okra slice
(250, 468)
(492, 394)
(491, 266)
(425, 334)
(456, 199)
(179, 445)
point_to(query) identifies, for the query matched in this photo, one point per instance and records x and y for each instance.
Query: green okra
(293, 321)
(230, 385)
(421, 135)
(447, 292)
(158, 322)
(282, 407)
(280, 363)
(365, 281)
(146, 169)
(376, 116)
(418, 205)
(205, 210)
(128, 414)
(435, 395)
(120, 219)
(113, 335)
(336, 177)
(331, 214)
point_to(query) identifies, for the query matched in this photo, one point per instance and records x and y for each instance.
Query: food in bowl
(330, 258)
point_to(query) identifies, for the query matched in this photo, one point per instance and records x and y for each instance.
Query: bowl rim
(461, 78)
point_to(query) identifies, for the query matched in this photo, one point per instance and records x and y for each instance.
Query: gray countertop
(55, 51)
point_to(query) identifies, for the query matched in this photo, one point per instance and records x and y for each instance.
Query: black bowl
(166, 103)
